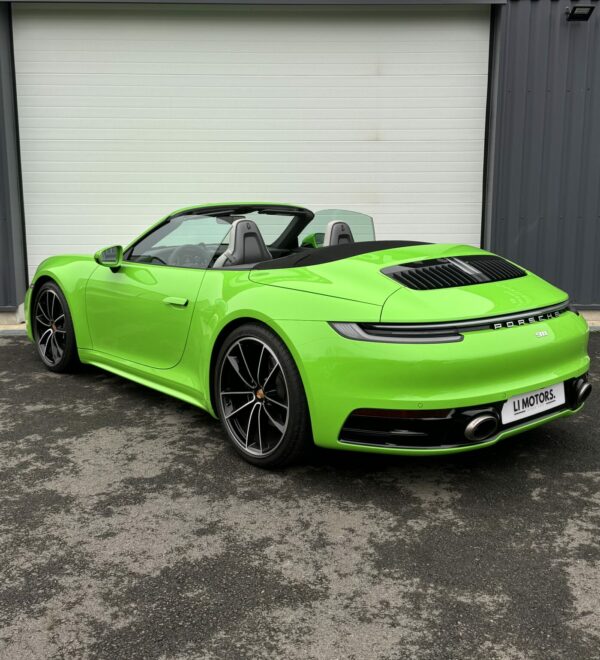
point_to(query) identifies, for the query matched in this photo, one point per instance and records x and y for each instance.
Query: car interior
(241, 243)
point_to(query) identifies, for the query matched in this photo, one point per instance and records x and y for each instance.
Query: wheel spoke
(256, 404)
(259, 424)
(278, 425)
(42, 311)
(59, 350)
(273, 370)
(42, 322)
(252, 380)
(44, 344)
(237, 410)
(236, 367)
(262, 352)
(277, 403)
(43, 305)
(58, 318)
(53, 298)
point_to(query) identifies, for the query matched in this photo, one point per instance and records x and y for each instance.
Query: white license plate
(532, 403)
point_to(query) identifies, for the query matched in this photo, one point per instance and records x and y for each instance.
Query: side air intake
(454, 271)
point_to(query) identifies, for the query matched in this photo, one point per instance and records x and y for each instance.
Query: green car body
(122, 324)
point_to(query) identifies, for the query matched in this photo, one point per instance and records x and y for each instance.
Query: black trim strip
(474, 324)
(442, 333)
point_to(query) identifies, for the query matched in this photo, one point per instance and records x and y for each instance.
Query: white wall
(127, 113)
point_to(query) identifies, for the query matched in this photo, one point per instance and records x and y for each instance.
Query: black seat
(337, 233)
(246, 245)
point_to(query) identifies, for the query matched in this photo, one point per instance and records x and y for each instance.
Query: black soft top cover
(323, 255)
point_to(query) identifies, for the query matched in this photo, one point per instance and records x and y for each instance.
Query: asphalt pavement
(129, 529)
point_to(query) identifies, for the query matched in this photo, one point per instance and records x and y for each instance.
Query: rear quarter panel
(227, 297)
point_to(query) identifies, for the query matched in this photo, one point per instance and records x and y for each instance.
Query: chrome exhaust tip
(481, 428)
(583, 389)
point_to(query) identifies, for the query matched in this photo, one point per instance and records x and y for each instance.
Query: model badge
(526, 320)
(541, 333)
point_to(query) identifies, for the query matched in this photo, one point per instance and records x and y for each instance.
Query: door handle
(176, 302)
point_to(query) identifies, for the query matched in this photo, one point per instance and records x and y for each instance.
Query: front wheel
(260, 398)
(53, 329)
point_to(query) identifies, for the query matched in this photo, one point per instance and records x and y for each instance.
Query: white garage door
(129, 112)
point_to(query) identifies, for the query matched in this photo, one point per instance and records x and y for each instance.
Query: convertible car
(296, 328)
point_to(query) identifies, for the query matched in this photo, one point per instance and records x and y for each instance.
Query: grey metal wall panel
(12, 250)
(543, 205)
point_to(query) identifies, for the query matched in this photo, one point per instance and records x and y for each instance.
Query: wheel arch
(226, 330)
(34, 291)
(73, 293)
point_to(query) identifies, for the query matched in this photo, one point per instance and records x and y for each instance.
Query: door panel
(142, 312)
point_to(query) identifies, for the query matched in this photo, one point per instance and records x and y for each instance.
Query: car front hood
(360, 279)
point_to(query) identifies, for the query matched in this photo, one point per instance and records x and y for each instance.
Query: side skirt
(138, 374)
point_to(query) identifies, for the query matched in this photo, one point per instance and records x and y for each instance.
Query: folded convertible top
(323, 255)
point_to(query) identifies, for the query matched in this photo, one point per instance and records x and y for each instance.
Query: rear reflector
(402, 414)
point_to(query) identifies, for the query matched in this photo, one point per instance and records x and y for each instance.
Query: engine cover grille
(454, 271)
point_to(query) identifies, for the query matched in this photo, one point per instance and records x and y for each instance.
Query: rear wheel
(260, 398)
(53, 329)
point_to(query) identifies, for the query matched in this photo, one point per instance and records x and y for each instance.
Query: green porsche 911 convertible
(296, 328)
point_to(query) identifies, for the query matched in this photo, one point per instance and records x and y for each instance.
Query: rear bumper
(341, 375)
(445, 430)
(457, 449)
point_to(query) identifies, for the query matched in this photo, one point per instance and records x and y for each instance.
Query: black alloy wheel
(53, 329)
(260, 398)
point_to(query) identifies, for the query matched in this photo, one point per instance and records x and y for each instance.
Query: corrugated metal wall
(543, 206)
(12, 251)
(6, 271)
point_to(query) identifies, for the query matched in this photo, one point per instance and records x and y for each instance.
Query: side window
(360, 224)
(186, 242)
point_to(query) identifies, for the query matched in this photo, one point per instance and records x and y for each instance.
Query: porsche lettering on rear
(527, 320)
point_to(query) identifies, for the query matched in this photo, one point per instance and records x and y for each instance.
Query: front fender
(71, 274)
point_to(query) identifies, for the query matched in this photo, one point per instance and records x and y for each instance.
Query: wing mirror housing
(111, 257)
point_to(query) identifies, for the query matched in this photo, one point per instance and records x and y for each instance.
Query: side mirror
(111, 257)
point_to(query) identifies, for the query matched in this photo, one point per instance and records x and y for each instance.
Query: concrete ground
(129, 529)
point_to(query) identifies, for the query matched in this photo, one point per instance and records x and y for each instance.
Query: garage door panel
(46, 180)
(315, 127)
(393, 94)
(94, 102)
(129, 112)
(216, 61)
(161, 72)
(284, 151)
(67, 115)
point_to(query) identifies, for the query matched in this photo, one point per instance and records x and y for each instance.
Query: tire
(53, 331)
(260, 399)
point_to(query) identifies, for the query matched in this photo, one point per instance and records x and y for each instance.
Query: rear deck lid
(512, 295)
